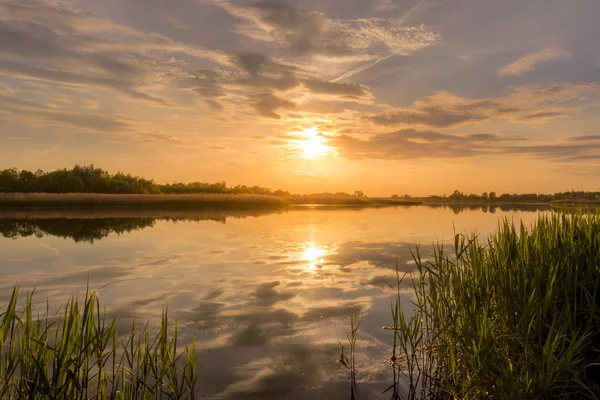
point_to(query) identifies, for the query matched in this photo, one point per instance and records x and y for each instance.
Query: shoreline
(237, 202)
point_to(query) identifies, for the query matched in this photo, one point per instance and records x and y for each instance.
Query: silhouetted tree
(72, 184)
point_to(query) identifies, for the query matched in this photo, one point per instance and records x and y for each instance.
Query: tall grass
(347, 200)
(182, 201)
(348, 359)
(189, 201)
(516, 316)
(78, 354)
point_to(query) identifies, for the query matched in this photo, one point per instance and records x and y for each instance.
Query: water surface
(266, 297)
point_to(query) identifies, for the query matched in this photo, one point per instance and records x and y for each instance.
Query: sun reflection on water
(313, 255)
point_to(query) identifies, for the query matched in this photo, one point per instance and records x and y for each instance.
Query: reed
(516, 316)
(154, 201)
(348, 359)
(213, 202)
(78, 354)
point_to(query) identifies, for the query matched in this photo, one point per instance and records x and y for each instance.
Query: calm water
(266, 297)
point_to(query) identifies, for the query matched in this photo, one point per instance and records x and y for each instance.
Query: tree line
(460, 197)
(90, 179)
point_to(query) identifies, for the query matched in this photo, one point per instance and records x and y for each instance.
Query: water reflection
(313, 255)
(90, 226)
(266, 299)
(80, 230)
(93, 225)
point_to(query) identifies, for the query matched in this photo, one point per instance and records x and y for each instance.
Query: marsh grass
(189, 201)
(78, 354)
(514, 317)
(348, 358)
(155, 201)
(347, 200)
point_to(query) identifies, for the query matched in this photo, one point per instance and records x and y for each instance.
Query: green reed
(514, 317)
(78, 354)
(348, 360)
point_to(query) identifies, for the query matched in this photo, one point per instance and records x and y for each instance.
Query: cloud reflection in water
(268, 308)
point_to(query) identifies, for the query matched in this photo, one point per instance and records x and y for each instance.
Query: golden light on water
(313, 255)
(312, 144)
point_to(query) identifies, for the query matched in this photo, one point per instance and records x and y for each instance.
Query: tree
(72, 184)
(9, 180)
(456, 195)
(492, 195)
(358, 193)
(485, 195)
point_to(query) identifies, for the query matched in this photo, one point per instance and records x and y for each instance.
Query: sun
(312, 144)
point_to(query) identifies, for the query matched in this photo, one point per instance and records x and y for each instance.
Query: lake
(266, 297)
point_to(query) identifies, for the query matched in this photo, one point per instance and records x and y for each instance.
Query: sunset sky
(388, 96)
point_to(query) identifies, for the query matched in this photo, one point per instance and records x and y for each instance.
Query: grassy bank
(78, 354)
(513, 317)
(186, 201)
(340, 200)
(152, 201)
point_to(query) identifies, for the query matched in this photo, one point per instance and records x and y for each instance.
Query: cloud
(76, 50)
(521, 105)
(159, 137)
(302, 32)
(347, 90)
(586, 138)
(337, 311)
(546, 115)
(379, 254)
(530, 62)
(33, 113)
(266, 104)
(295, 367)
(385, 5)
(68, 47)
(266, 295)
(412, 144)
(268, 86)
(552, 93)
(27, 111)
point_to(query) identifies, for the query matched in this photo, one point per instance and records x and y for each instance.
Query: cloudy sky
(387, 96)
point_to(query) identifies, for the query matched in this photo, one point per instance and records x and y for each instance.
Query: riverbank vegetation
(516, 316)
(157, 201)
(569, 197)
(78, 354)
(91, 179)
(212, 202)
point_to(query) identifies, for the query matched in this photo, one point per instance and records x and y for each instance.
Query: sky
(383, 96)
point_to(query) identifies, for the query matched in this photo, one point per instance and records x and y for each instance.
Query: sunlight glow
(313, 255)
(312, 144)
